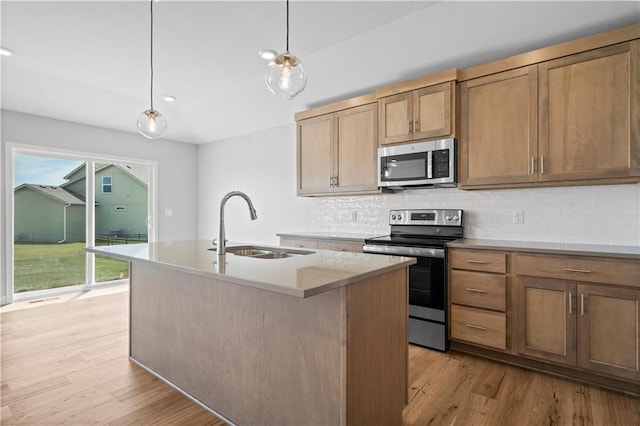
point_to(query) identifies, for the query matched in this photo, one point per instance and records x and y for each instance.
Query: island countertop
(301, 276)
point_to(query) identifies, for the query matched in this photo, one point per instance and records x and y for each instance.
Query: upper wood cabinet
(420, 114)
(567, 121)
(337, 152)
(589, 114)
(422, 108)
(315, 155)
(498, 128)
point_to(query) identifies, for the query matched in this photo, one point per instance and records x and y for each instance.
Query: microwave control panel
(441, 163)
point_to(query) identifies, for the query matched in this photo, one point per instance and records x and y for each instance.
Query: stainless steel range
(423, 234)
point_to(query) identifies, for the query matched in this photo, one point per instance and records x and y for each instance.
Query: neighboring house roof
(138, 172)
(55, 192)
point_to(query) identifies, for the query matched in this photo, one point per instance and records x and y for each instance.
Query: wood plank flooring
(66, 363)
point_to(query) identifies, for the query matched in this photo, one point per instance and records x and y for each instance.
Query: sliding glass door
(121, 213)
(49, 224)
(64, 202)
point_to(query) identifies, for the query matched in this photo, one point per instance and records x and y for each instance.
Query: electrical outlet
(354, 216)
(518, 217)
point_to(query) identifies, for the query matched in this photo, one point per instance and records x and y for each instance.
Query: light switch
(168, 212)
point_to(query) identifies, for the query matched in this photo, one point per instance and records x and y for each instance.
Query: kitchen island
(310, 339)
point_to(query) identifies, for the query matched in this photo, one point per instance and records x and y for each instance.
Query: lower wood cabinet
(590, 326)
(478, 294)
(322, 244)
(479, 326)
(575, 315)
(546, 325)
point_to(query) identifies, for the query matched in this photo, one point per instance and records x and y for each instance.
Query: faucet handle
(215, 241)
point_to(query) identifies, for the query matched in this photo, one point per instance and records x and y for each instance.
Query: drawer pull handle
(481, 262)
(570, 303)
(476, 290)
(582, 271)
(475, 327)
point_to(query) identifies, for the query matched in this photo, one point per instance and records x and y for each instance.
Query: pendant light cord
(287, 26)
(151, 2)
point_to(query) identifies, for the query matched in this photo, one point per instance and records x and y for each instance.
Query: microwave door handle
(429, 164)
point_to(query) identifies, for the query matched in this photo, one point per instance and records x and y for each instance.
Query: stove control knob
(449, 217)
(393, 217)
(399, 217)
(456, 217)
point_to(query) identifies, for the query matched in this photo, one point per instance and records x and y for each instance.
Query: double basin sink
(263, 252)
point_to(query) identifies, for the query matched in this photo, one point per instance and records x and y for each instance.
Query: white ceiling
(88, 61)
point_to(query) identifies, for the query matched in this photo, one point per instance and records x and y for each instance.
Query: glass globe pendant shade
(151, 124)
(286, 76)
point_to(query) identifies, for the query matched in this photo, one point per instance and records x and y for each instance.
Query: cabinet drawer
(294, 242)
(340, 246)
(479, 326)
(579, 269)
(478, 260)
(479, 290)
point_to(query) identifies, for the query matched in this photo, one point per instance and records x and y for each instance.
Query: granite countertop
(300, 276)
(628, 252)
(323, 235)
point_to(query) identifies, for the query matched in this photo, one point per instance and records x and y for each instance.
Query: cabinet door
(432, 111)
(498, 128)
(315, 155)
(351, 246)
(357, 144)
(546, 319)
(608, 330)
(396, 117)
(295, 242)
(589, 106)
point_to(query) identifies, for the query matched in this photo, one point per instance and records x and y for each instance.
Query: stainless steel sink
(262, 252)
(241, 251)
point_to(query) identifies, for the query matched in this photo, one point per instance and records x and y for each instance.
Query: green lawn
(42, 266)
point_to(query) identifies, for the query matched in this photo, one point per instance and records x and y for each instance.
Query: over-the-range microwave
(427, 164)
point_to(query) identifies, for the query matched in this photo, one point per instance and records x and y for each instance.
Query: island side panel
(377, 349)
(254, 356)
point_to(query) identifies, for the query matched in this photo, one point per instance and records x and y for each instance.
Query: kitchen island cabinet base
(260, 357)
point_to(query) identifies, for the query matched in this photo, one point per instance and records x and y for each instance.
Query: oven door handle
(403, 251)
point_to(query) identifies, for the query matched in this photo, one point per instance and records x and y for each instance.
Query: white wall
(263, 165)
(176, 164)
(607, 215)
(449, 34)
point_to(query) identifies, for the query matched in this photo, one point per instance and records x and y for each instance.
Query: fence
(111, 240)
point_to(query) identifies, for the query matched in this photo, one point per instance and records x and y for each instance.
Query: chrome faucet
(221, 243)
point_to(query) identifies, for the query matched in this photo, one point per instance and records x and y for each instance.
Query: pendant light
(286, 76)
(151, 124)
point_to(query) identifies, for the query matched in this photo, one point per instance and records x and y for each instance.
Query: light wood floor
(67, 363)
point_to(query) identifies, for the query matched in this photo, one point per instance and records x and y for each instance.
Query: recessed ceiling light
(6, 52)
(267, 54)
(169, 98)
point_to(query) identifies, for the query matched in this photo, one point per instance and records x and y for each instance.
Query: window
(106, 184)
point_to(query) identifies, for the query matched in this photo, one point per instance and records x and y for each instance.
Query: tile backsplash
(608, 214)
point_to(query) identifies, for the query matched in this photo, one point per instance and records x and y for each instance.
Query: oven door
(427, 289)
